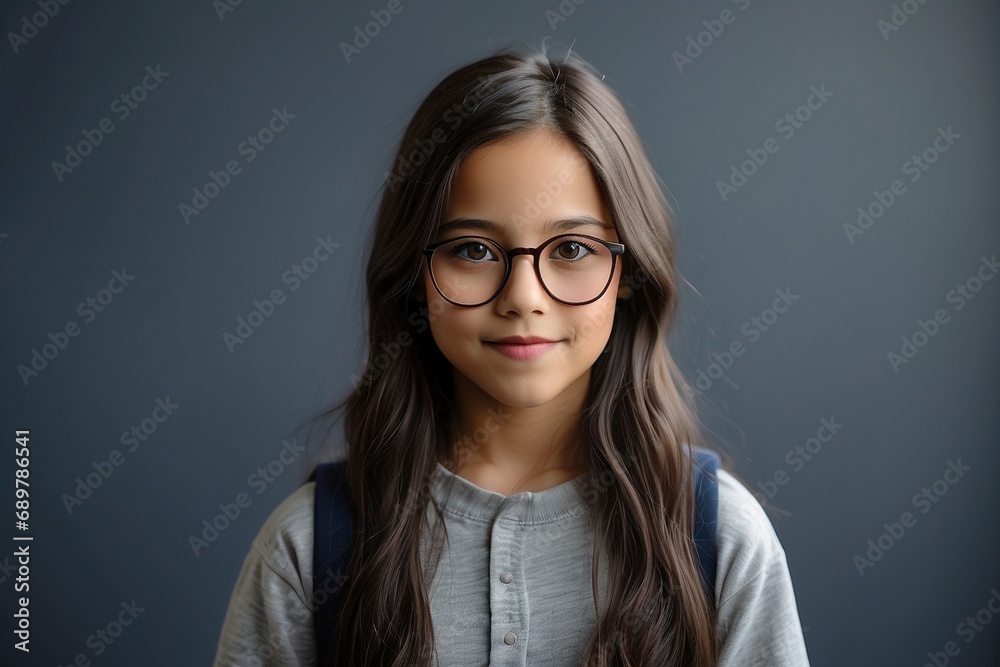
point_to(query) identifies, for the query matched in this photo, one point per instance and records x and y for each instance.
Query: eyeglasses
(471, 271)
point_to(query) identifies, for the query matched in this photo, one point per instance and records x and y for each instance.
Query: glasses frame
(508, 255)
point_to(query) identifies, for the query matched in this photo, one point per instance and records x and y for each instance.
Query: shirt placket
(508, 594)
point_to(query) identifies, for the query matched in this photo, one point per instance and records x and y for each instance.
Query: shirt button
(509, 638)
(506, 577)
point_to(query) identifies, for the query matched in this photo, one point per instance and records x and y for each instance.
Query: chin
(530, 397)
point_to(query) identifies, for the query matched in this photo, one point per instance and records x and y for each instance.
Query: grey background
(162, 336)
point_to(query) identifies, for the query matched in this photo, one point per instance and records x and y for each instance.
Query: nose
(523, 291)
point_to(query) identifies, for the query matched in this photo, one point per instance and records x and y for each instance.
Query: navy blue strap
(332, 547)
(706, 493)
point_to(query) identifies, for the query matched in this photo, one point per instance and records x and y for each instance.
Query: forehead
(524, 182)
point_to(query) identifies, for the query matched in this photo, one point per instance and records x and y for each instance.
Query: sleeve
(269, 621)
(758, 623)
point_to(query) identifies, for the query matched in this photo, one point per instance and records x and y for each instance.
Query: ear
(624, 290)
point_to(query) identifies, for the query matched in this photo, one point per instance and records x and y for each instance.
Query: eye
(574, 250)
(476, 251)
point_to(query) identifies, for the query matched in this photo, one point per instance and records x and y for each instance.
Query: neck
(509, 449)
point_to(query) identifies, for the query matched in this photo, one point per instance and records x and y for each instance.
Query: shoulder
(745, 539)
(758, 620)
(272, 598)
(285, 541)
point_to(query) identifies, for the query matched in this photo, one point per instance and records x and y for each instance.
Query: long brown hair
(639, 422)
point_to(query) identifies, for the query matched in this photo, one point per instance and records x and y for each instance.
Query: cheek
(452, 327)
(593, 326)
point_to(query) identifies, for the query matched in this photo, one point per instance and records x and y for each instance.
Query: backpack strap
(706, 494)
(333, 525)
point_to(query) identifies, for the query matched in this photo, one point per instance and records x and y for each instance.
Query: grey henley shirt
(512, 586)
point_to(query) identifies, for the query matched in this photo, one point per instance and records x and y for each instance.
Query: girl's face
(523, 184)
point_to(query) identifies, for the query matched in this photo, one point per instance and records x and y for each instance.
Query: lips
(522, 340)
(522, 348)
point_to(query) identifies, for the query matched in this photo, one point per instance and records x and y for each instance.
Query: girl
(520, 470)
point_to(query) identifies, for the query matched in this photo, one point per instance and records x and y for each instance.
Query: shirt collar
(459, 496)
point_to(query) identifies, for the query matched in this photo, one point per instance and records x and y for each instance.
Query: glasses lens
(470, 270)
(575, 269)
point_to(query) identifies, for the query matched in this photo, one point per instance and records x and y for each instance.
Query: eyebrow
(495, 228)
